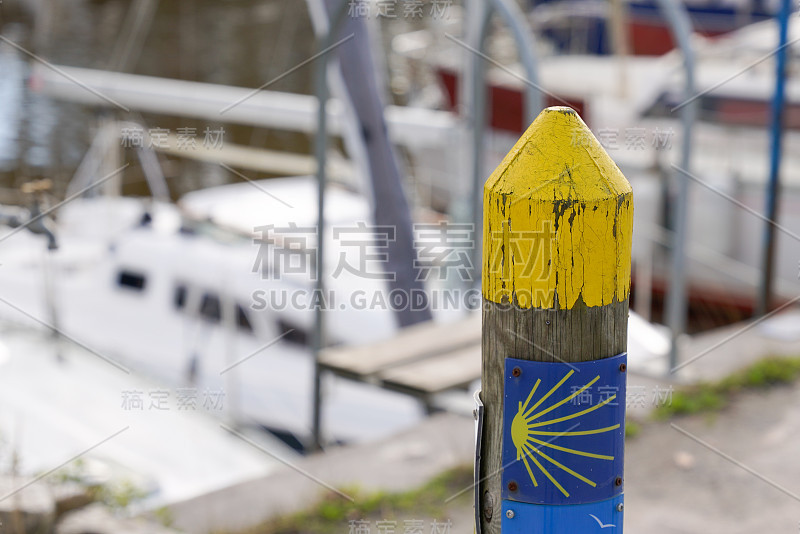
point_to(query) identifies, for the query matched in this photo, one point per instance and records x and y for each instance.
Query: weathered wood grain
(561, 292)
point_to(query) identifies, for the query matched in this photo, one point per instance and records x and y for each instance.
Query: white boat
(186, 296)
(632, 104)
(51, 411)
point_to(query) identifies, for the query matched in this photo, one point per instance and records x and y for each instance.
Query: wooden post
(558, 218)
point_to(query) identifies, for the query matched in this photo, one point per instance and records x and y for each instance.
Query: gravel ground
(673, 484)
(676, 485)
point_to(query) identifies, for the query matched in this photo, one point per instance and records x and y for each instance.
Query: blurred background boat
(581, 26)
(631, 102)
(189, 296)
(157, 269)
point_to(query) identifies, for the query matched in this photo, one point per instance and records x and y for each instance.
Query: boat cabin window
(292, 333)
(180, 297)
(210, 308)
(131, 280)
(242, 320)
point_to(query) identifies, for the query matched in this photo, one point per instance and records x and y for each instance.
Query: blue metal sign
(564, 431)
(603, 517)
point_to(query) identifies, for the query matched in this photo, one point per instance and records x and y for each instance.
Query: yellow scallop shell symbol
(527, 435)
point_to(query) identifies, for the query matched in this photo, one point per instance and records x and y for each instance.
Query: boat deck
(423, 360)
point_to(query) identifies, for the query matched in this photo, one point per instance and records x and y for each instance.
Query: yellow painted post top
(558, 220)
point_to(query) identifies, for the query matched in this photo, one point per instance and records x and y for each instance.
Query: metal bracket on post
(478, 413)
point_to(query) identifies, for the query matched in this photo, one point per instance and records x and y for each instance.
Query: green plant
(712, 396)
(632, 429)
(334, 512)
(164, 516)
(119, 495)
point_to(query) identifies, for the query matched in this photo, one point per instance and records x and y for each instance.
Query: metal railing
(513, 16)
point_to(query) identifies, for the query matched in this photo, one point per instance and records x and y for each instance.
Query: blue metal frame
(604, 516)
(776, 132)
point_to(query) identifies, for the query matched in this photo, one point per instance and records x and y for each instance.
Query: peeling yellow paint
(558, 220)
